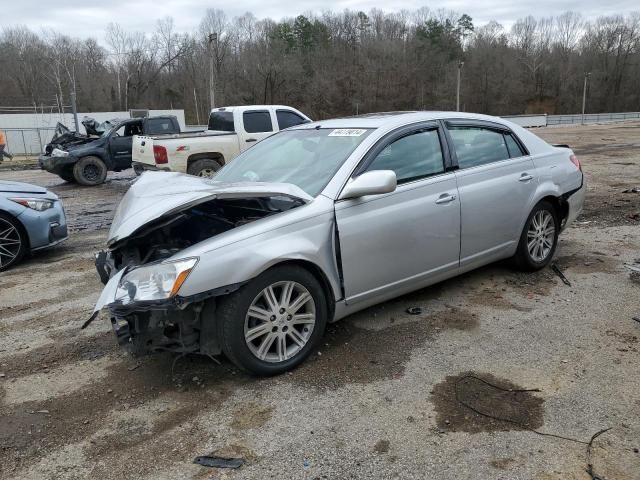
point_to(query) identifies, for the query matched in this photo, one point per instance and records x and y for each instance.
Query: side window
(158, 126)
(132, 129)
(478, 146)
(515, 150)
(412, 157)
(287, 118)
(257, 122)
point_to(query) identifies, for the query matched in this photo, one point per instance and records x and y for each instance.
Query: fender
(246, 259)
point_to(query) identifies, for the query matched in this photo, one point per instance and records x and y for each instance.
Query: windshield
(105, 128)
(307, 158)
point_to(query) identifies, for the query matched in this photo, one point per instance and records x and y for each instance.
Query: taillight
(575, 161)
(160, 154)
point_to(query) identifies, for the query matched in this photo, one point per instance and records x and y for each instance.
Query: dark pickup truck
(86, 159)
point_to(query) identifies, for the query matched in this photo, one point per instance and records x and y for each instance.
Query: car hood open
(158, 194)
(7, 186)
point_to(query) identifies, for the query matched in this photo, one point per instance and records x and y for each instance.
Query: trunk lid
(158, 194)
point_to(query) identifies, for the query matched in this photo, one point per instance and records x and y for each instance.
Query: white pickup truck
(231, 130)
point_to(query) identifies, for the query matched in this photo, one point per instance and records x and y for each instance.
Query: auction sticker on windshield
(347, 132)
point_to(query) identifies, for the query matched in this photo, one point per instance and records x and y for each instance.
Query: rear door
(255, 125)
(398, 241)
(496, 180)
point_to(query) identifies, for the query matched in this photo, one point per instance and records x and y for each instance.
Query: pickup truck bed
(231, 130)
(174, 152)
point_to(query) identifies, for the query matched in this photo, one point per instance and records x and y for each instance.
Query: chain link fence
(28, 141)
(591, 118)
(31, 141)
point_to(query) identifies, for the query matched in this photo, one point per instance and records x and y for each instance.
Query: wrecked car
(325, 219)
(86, 159)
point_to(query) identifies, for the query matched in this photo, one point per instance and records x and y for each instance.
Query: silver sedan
(325, 219)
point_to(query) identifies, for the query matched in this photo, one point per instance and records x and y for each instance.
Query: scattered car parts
(218, 462)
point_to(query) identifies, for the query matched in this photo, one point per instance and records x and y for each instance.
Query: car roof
(230, 108)
(396, 119)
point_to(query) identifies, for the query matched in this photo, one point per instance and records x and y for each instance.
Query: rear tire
(206, 167)
(539, 238)
(13, 242)
(90, 171)
(294, 330)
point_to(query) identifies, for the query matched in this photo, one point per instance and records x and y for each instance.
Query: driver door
(400, 241)
(120, 145)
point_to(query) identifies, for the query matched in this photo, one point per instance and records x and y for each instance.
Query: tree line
(334, 63)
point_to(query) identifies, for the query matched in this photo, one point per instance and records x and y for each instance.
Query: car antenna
(318, 127)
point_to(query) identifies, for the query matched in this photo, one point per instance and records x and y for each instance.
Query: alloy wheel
(91, 173)
(280, 321)
(10, 243)
(541, 235)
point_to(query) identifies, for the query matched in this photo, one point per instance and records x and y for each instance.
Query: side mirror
(374, 182)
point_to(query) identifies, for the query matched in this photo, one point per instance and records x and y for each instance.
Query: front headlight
(56, 152)
(38, 204)
(154, 282)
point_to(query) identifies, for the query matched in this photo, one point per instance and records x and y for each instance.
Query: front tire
(274, 322)
(90, 171)
(539, 238)
(13, 242)
(67, 176)
(204, 168)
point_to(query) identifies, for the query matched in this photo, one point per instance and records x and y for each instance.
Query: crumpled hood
(158, 194)
(7, 186)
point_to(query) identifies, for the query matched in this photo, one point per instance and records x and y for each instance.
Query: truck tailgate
(142, 150)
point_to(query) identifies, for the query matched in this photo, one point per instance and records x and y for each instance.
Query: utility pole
(195, 101)
(584, 95)
(74, 110)
(460, 65)
(213, 37)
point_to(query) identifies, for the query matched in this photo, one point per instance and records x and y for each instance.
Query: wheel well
(218, 157)
(320, 276)
(560, 205)
(20, 226)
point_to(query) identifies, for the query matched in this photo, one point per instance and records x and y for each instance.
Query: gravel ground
(388, 395)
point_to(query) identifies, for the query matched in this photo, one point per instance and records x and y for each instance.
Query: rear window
(158, 126)
(257, 122)
(221, 121)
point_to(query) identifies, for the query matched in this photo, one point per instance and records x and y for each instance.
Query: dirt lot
(389, 395)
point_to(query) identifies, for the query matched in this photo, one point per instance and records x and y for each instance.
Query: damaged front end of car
(147, 261)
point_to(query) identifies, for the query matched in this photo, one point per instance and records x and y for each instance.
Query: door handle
(445, 198)
(525, 177)
(250, 140)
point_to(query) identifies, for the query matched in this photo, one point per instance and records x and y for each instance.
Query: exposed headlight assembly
(159, 281)
(56, 152)
(39, 204)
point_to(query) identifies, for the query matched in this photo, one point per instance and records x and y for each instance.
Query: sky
(89, 18)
